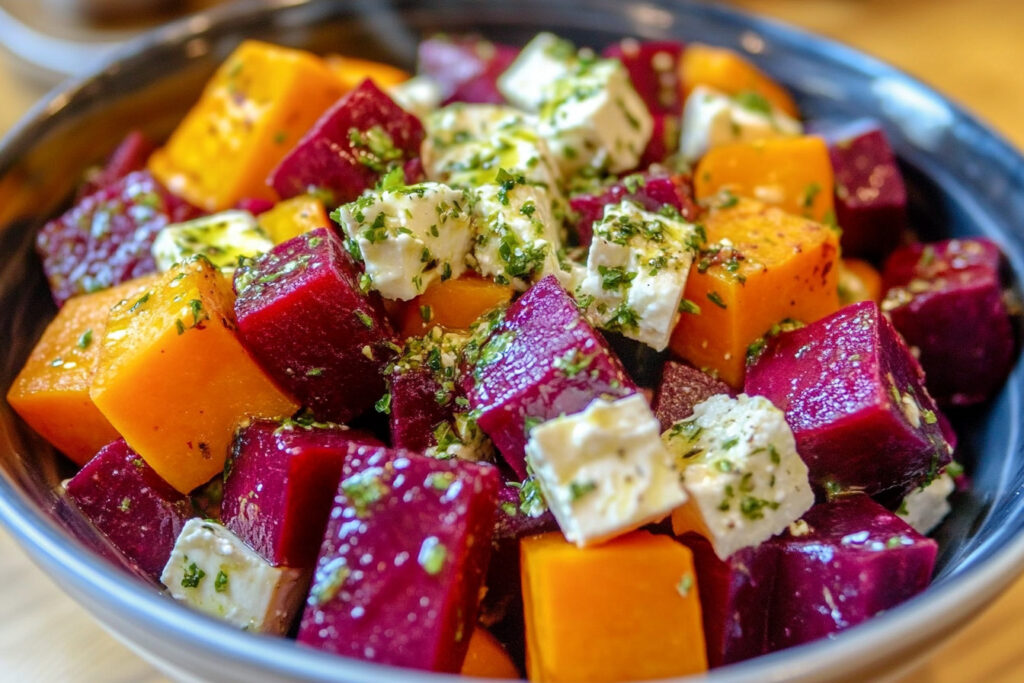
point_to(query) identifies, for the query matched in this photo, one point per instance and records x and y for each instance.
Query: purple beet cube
(130, 155)
(466, 67)
(652, 192)
(870, 197)
(934, 293)
(854, 397)
(355, 142)
(664, 140)
(542, 360)
(303, 317)
(106, 237)
(415, 412)
(279, 485)
(653, 68)
(854, 560)
(399, 573)
(254, 205)
(683, 386)
(131, 504)
(521, 512)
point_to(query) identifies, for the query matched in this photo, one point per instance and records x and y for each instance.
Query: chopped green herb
(85, 340)
(383, 404)
(714, 298)
(365, 488)
(125, 505)
(328, 581)
(192, 576)
(432, 555)
(753, 101)
(685, 584)
(220, 584)
(365, 319)
(577, 489)
(687, 306)
(314, 372)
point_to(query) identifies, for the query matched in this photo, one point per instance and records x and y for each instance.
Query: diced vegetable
(680, 389)
(712, 119)
(426, 526)
(453, 304)
(225, 239)
(178, 342)
(664, 140)
(858, 281)
(924, 508)
(252, 112)
(486, 658)
(590, 618)
(727, 71)
(352, 71)
(129, 156)
(855, 399)
(292, 217)
(302, 315)
(653, 68)
(138, 511)
(466, 67)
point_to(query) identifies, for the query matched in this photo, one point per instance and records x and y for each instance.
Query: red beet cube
(279, 485)
(131, 504)
(653, 67)
(350, 147)
(936, 292)
(415, 412)
(682, 387)
(854, 397)
(466, 67)
(398, 577)
(254, 205)
(303, 317)
(652, 192)
(664, 140)
(541, 361)
(105, 238)
(131, 155)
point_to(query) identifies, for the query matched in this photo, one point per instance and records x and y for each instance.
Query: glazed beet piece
(735, 596)
(414, 412)
(855, 560)
(652, 192)
(654, 70)
(350, 147)
(398, 577)
(664, 140)
(683, 386)
(466, 67)
(302, 316)
(131, 155)
(279, 485)
(870, 197)
(131, 504)
(105, 238)
(937, 291)
(542, 360)
(254, 205)
(855, 399)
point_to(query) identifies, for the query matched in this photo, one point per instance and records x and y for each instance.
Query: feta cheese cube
(223, 238)
(636, 273)
(604, 471)
(924, 508)
(212, 570)
(593, 117)
(711, 118)
(419, 95)
(540, 63)
(738, 462)
(409, 237)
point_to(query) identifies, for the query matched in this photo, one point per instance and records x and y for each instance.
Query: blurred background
(970, 50)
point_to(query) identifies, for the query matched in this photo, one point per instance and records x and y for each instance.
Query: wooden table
(971, 50)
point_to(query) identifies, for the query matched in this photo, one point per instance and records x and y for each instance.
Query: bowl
(963, 179)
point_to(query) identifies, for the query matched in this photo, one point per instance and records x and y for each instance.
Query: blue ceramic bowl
(963, 178)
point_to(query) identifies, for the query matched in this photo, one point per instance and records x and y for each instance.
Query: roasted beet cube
(350, 147)
(138, 511)
(664, 140)
(683, 386)
(541, 361)
(870, 197)
(398, 577)
(937, 291)
(654, 70)
(279, 485)
(466, 67)
(855, 399)
(105, 238)
(303, 317)
(131, 155)
(652, 192)
(254, 205)
(847, 561)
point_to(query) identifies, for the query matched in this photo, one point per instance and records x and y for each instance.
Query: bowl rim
(89, 578)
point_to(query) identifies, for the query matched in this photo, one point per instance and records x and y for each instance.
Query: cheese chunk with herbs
(604, 471)
(408, 237)
(711, 118)
(925, 507)
(636, 273)
(213, 571)
(738, 462)
(540, 63)
(419, 95)
(223, 238)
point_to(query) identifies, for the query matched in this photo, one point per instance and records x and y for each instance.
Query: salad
(542, 361)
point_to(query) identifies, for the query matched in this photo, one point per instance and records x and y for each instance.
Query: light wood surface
(969, 49)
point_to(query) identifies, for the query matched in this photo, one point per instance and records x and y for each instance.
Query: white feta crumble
(738, 462)
(213, 571)
(223, 238)
(604, 471)
(541, 62)
(712, 118)
(419, 95)
(636, 273)
(409, 237)
(924, 508)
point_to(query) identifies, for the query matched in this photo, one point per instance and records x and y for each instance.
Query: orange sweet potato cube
(779, 266)
(453, 304)
(352, 71)
(173, 378)
(252, 112)
(625, 610)
(794, 174)
(292, 217)
(51, 393)
(728, 72)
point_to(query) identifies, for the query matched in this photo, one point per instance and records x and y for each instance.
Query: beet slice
(130, 155)
(653, 68)
(855, 399)
(303, 317)
(683, 386)
(542, 360)
(651, 191)
(131, 504)
(398, 576)
(105, 238)
(466, 67)
(355, 142)
(934, 293)
(424, 385)
(279, 485)
(851, 560)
